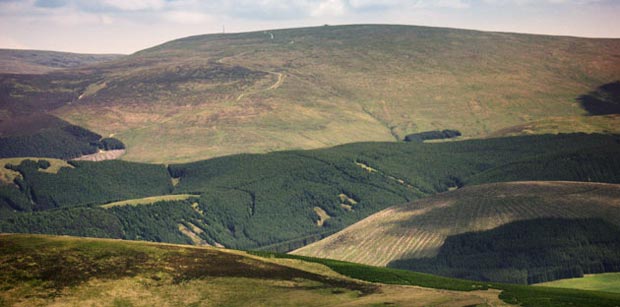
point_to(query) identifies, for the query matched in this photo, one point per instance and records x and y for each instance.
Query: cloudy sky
(126, 26)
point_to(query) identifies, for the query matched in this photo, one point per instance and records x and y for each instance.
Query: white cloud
(185, 17)
(541, 2)
(106, 19)
(329, 8)
(71, 18)
(9, 42)
(135, 5)
(456, 4)
(375, 3)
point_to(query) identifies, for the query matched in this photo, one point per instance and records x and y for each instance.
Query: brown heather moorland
(214, 95)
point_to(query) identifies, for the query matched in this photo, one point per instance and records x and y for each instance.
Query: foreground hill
(45, 270)
(214, 95)
(40, 270)
(420, 229)
(13, 61)
(283, 200)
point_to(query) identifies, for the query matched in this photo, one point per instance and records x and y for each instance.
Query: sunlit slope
(66, 271)
(418, 229)
(609, 282)
(214, 95)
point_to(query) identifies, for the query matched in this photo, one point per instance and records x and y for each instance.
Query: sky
(127, 26)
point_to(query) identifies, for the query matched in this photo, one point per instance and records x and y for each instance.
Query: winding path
(274, 86)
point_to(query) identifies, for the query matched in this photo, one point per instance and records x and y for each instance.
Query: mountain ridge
(221, 94)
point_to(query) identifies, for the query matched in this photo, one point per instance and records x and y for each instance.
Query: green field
(609, 282)
(214, 95)
(149, 200)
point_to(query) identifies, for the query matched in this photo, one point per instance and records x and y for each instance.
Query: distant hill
(213, 95)
(419, 229)
(15, 61)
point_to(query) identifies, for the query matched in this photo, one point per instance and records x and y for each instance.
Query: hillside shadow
(602, 101)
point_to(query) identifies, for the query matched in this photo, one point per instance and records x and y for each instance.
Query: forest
(526, 252)
(270, 201)
(432, 135)
(66, 142)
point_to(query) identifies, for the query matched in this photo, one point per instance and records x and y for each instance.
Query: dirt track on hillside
(102, 155)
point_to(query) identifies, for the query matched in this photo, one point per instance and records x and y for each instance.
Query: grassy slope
(514, 294)
(609, 282)
(214, 95)
(44, 270)
(419, 229)
(15, 61)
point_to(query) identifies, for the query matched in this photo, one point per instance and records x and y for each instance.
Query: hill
(14, 61)
(43, 270)
(283, 200)
(215, 95)
(420, 229)
(47, 270)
